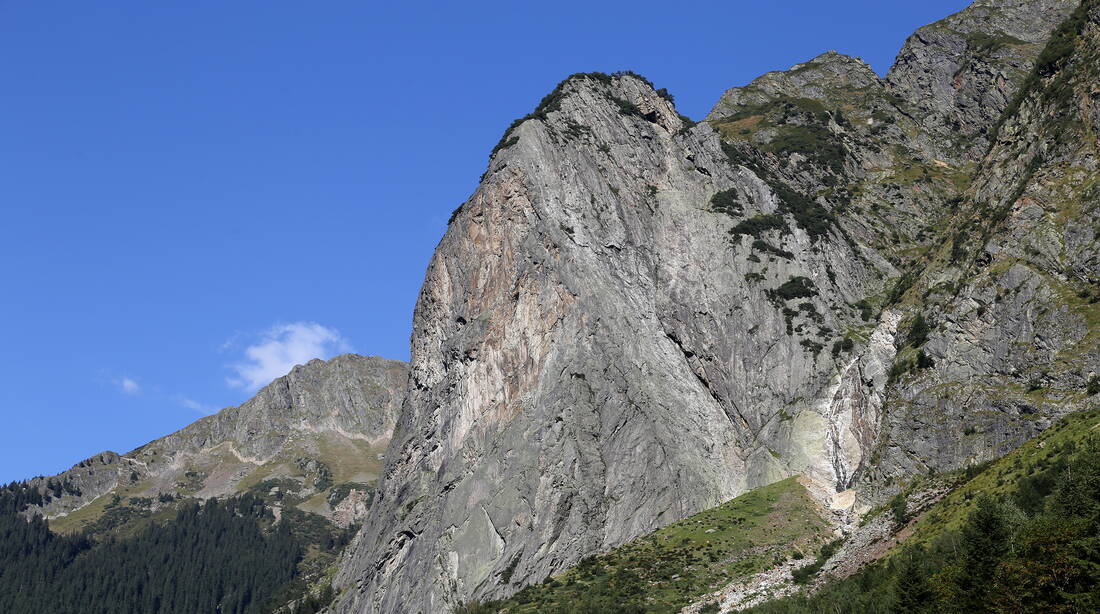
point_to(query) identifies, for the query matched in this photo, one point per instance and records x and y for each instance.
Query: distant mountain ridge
(325, 423)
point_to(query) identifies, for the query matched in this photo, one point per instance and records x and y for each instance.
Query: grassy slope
(937, 531)
(1001, 477)
(686, 560)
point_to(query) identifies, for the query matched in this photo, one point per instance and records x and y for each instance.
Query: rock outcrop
(961, 73)
(594, 355)
(1012, 294)
(634, 318)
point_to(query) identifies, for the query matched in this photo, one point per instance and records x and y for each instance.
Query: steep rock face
(324, 422)
(595, 355)
(1013, 292)
(959, 74)
(633, 319)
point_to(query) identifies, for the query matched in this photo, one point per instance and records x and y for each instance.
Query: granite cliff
(835, 275)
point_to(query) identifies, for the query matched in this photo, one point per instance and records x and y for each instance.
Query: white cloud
(195, 405)
(282, 347)
(128, 385)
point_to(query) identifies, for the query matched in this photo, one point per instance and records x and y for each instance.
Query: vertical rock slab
(594, 355)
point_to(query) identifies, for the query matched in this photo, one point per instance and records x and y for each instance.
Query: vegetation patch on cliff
(810, 215)
(794, 125)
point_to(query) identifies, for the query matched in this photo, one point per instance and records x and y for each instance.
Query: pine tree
(912, 590)
(985, 537)
(1078, 491)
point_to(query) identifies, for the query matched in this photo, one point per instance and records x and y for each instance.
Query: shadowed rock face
(601, 346)
(302, 425)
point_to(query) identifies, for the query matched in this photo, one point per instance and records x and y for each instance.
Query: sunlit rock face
(634, 318)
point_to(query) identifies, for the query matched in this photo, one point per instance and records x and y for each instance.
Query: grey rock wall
(595, 355)
(960, 74)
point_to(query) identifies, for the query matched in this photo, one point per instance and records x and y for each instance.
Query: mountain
(839, 276)
(313, 438)
(661, 364)
(244, 511)
(961, 73)
(1012, 285)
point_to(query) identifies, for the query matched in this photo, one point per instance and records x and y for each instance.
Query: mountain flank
(315, 436)
(782, 358)
(835, 275)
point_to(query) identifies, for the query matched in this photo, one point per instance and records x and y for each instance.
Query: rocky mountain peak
(634, 318)
(581, 368)
(830, 76)
(833, 285)
(569, 109)
(958, 75)
(1026, 20)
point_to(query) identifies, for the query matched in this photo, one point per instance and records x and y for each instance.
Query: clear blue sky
(196, 194)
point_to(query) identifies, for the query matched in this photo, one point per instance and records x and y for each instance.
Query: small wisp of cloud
(202, 408)
(128, 385)
(282, 347)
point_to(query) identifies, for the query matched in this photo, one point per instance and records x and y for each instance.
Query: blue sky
(197, 194)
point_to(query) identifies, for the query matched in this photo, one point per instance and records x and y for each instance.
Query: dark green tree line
(218, 556)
